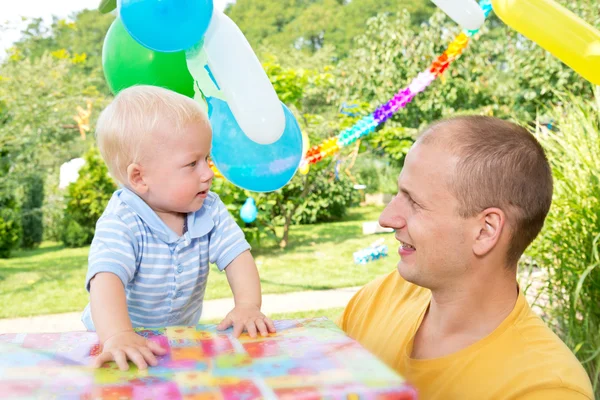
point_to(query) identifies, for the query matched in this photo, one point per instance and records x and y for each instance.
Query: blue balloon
(250, 165)
(248, 211)
(166, 25)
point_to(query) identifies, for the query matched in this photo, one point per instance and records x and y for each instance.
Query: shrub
(567, 248)
(31, 214)
(54, 207)
(10, 221)
(316, 197)
(86, 199)
(10, 226)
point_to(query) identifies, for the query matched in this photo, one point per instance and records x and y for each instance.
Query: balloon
(465, 13)
(166, 25)
(107, 6)
(205, 84)
(250, 165)
(243, 81)
(556, 29)
(248, 211)
(304, 167)
(305, 143)
(127, 63)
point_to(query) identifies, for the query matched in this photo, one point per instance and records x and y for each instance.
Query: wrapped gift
(374, 252)
(305, 359)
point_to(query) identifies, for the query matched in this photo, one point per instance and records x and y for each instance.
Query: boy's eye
(192, 164)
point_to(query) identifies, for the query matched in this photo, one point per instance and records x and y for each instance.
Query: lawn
(319, 257)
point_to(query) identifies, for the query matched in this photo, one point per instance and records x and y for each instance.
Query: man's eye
(411, 201)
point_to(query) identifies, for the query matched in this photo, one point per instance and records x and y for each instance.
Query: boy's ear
(135, 177)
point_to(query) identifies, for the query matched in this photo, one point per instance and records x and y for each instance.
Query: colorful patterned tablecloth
(306, 359)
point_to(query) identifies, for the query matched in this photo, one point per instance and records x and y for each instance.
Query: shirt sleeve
(113, 250)
(226, 240)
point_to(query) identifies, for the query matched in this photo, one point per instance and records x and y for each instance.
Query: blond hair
(500, 165)
(135, 114)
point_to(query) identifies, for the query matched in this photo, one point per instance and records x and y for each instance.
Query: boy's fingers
(226, 323)
(101, 359)
(156, 348)
(148, 355)
(251, 328)
(134, 355)
(238, 328)
(121, 359)
(262, 327)
(270, 324)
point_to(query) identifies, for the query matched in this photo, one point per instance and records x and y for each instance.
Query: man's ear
(491, 223)
(135, 177)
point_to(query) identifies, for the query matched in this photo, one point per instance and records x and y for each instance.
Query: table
(306, 359)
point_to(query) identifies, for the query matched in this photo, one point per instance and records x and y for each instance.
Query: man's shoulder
(537, 357)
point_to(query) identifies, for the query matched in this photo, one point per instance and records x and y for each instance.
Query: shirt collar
(199, 223)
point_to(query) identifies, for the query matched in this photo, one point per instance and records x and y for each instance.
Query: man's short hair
(500, 164)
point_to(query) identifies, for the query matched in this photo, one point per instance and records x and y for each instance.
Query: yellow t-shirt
(521, 359)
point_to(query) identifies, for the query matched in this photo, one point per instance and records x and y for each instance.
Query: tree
(500, 73)
(312, 24)
(31, 216)
(81, 40)
(10, 223)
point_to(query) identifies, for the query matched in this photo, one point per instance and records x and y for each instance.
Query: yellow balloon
(305, 144)
(304, 167)
(556, 29)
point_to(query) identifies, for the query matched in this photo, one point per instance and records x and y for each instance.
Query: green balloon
(107, 6)
(127, 63)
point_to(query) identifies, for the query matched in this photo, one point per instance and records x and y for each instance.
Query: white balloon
(69, 172)
(243, 81)
(465, 13)
(203, 84)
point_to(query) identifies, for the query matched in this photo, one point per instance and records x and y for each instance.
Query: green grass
(319, 257)
(47, 280)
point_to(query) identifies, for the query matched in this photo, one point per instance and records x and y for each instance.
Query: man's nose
(393, 214)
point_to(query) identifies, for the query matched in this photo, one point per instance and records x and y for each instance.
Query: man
(473, 194)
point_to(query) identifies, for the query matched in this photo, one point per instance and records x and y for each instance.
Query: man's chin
(407, 272)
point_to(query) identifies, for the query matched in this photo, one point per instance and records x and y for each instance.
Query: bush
(378, 173)
(54, 207)
(10, 221)
(328, 199)
(75, 235)
(86, 199)
(31, 215)
(10, 226)
(316, 197)
(567, 248)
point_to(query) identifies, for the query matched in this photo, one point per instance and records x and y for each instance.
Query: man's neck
(459, 317)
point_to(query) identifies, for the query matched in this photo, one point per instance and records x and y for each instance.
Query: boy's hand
(249, 318)
(129, 346)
